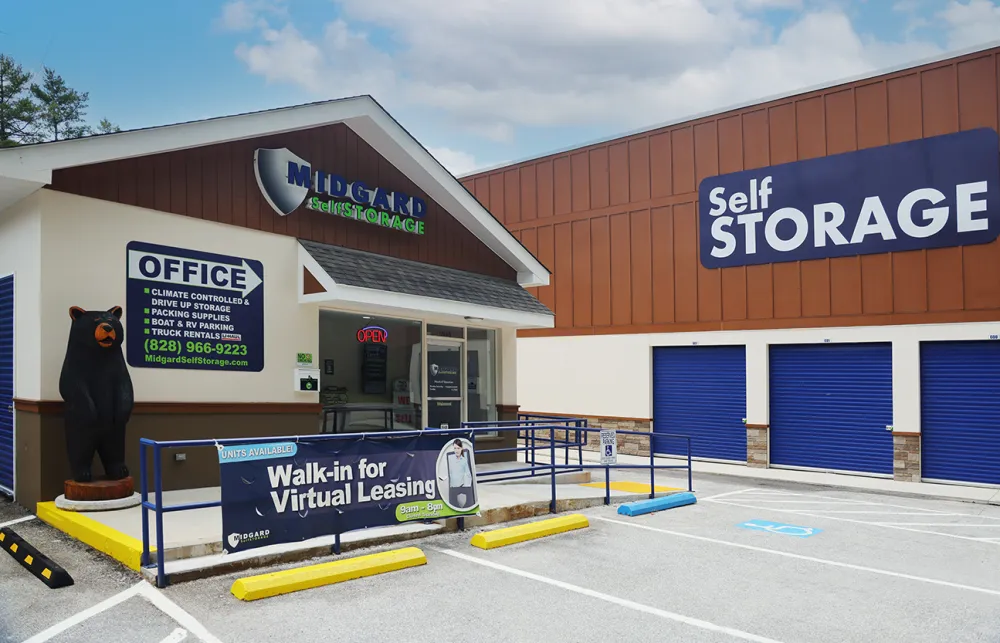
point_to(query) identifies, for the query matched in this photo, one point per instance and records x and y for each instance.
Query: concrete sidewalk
(193, 539)
(964, 493)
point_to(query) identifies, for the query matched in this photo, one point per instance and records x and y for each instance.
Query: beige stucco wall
(20, 255)
(84, 264)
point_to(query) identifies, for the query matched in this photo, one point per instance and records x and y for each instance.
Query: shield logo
(281, 191)
(234, 539)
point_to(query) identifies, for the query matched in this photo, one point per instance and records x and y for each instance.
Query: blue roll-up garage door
(700, 391)
(830, 405)
(7, 384)
(960, 411)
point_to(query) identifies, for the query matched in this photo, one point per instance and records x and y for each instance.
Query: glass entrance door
(446, 388)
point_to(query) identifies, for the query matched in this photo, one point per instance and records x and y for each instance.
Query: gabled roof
(360, 269)
(28, 168)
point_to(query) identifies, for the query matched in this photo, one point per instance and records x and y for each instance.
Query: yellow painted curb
(338, 571)
(529, 531)
(122, 547)
(629, 487)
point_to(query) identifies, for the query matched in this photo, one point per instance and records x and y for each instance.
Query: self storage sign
(188, 309)
(930, 193)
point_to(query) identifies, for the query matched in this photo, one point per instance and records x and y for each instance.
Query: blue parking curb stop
(657, 504)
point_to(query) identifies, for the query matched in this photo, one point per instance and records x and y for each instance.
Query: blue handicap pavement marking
(779, 528)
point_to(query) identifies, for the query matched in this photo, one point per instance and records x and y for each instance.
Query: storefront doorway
(383, 374)
(446, 390)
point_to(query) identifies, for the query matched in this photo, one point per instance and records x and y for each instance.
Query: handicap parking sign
(780, 528)
(609, 446)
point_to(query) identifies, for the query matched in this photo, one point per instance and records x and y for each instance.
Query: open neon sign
(373, 335)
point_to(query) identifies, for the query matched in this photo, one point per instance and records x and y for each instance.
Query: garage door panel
(700, 391)
(7, 383)
(960, 411)
(830, 404)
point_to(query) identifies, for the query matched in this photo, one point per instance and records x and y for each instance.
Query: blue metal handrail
(471, 429)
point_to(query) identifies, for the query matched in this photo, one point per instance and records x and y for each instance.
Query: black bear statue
(97, 391)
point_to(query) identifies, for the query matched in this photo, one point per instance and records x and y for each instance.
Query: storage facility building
(287, 272)
(811, 282)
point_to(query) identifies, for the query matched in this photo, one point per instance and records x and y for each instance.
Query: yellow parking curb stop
(293, 580)
(529, 531)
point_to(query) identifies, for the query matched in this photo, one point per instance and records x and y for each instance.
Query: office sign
(930, 193)
(189, 309)
(287, 180)
(290, 491)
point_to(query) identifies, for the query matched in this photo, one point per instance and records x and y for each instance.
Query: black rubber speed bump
(43, 567)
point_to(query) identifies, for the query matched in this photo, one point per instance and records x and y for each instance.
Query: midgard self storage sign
(286, 180)
(193, 310)
(929, 193)
(281, 492)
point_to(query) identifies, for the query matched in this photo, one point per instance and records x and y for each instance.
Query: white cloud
(244, 15)
(971, 23)
(489, 67)
(237, 16)
(455, 161)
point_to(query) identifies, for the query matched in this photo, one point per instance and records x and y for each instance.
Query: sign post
(609, 456)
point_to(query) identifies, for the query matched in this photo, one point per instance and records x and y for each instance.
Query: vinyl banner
(282, 492)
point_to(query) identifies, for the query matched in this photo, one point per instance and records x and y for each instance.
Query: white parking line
(639, 607)
(936, 524)
(823, 561)
(16, 521)
(80, 617)
(143, 589)
(728, 493)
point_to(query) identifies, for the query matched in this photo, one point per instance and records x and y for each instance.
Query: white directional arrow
(184, 271)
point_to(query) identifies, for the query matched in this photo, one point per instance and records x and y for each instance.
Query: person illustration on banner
(461, 491)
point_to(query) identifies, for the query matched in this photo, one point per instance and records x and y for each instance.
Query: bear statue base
(99, 495)
(98, 505)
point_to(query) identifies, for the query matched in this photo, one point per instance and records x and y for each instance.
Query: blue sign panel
(283, 492)
(929, 193)
(780, 528)
(193, 310)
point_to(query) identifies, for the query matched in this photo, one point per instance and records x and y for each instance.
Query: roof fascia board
(388, 138)
(362, 114)
(170, 138)
(423, 306)
(764, 100)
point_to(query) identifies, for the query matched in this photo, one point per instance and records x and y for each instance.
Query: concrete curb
(121, 547)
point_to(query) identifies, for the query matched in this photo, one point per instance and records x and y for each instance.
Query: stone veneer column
(628, 444)
(757, 450)
(906, 457)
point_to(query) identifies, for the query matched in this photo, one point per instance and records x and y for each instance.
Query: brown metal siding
(217, 183)
(632, 206)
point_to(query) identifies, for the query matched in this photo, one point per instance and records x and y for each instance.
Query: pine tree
(107, 127)
(17, 111)
(62, 108)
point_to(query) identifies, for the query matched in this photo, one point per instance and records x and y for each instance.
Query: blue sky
(479, 82)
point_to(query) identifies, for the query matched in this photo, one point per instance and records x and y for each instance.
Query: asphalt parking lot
(757, 562)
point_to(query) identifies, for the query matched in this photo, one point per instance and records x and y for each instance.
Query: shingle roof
(378, 272)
